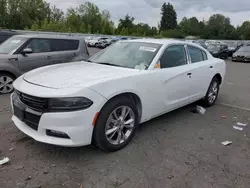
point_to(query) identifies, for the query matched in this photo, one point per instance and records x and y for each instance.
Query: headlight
(69, 104)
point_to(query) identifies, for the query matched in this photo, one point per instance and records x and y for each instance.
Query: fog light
(57, 134)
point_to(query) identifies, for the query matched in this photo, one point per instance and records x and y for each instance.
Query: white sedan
(103, 100)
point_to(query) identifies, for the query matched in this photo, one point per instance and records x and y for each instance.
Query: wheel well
(6, 72)
(218, 76)
(135, 98)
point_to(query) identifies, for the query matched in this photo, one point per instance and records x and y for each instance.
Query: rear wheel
(6, 83)
(212, 92)
(116, 124)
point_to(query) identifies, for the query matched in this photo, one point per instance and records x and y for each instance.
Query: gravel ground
(177, 150)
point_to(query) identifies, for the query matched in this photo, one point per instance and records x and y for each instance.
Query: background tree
(191, 26)
(126, 24)
(3, 14)
(39, 15)
(244, 31)
(169, 17)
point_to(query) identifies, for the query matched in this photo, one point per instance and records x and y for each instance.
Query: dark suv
(5, 34)
(22, 53)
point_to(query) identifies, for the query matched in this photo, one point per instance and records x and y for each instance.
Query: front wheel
(6, 83)
(116, 124)
(212, 93)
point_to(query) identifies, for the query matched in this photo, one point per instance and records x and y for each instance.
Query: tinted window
(39, 45)
(64, 45)
(195, 54)
(3, 38)
(204, 54)
(173, 56)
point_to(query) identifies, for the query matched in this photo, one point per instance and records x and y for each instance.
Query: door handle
(13, 59)
(189, 74)
(49, 57)
(211, 67)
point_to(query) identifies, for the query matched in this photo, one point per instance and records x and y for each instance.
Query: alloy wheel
(213, 92)
(6, 84)
(120, 125)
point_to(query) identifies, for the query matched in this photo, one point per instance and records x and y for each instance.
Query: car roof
(8, 32)
(163, 41)
(49, 36)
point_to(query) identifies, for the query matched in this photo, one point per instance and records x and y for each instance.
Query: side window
(173, 56)
(39, 45)
(195, 54)
(204, 54)
(64, 45)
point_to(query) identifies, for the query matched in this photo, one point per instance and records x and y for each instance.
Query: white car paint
(159, 90)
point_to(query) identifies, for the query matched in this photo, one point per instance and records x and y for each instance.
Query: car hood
(213, 51)
(93, 41)
(242, 53)
(78, 74)
(231, 48)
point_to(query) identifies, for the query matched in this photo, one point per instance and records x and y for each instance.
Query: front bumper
(240, 58)
(77, 125)
(80, 134)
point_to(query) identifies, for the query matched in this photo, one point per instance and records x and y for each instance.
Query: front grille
(35, 103)
(240, 57)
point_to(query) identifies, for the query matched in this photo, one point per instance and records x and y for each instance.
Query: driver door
(39, 57)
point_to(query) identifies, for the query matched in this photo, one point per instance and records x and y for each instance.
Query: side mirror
(27, 51)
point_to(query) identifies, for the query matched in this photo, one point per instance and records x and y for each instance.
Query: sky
(148, 11)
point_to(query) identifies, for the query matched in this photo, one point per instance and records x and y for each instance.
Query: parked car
(5, 34)
(22, 53)
(201, 43)
(232, 48)
(103, 100)
(243, 54)
(95, 41)
(218, 50)
(103, 43)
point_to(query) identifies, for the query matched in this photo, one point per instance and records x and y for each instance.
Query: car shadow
(89, 152)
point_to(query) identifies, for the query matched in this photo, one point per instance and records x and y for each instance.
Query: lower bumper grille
(32, 120)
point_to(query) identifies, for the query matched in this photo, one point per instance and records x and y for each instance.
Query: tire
(103, 137)
(6, 83)
(207, 101)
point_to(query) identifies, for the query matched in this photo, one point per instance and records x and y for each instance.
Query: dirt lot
(177, 150)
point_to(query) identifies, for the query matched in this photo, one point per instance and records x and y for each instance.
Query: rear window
(64, 45)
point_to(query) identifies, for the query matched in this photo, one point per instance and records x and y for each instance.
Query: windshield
(128, 54)
(213, 47)
(244, 49)
(12, 44)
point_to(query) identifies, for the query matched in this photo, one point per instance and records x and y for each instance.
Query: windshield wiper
(109, 64)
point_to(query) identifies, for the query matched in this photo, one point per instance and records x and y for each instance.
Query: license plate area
(25, 114)
(19, 111)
